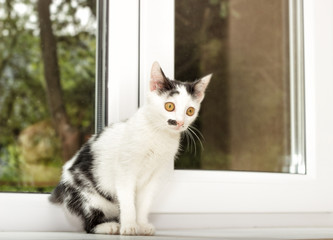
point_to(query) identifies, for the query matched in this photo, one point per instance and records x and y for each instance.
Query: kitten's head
(176, 103)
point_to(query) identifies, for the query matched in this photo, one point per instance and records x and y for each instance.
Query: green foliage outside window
(30, 148)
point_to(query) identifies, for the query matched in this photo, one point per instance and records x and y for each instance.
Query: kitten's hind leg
(96, 222)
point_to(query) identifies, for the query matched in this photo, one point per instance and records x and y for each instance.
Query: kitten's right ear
(157, 77)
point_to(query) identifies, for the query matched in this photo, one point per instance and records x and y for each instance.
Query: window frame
(101, 93)
(123, 60)
(204, 199)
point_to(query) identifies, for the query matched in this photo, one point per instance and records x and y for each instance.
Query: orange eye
(190, 111)
(169, 106)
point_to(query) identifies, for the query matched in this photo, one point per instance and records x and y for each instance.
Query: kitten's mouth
(180, 128)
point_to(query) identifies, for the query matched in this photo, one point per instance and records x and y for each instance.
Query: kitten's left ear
(200, 87)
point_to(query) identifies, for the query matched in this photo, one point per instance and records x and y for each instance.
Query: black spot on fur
(190, 88)
(173, 92)
(57, 195)
(76, 204)
(83, 168)
(84, 163)
(78, 181)
(76, 201)
(95, 218)
(172, 122)
(70, 193)
(167, 86)
(170, 87)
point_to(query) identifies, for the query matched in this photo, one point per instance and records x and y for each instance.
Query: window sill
(259, 233)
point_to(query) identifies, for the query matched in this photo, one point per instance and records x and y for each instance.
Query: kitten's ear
(200, 87)
(157, 77)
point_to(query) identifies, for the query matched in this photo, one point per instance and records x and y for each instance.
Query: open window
(266, 119)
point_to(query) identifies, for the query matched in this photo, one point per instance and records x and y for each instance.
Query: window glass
(47, 88)
(245, 118)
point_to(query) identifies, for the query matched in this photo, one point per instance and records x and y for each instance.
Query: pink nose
(180, 123)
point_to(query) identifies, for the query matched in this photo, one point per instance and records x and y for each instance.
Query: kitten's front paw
(129, 229)
(147, 229)
(107, 228)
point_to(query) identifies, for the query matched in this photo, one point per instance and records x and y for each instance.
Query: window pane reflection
(245, 117)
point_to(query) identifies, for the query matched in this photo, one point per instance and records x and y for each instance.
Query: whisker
(197, 131)
(187, 139)
(192, 131)
(193, 141)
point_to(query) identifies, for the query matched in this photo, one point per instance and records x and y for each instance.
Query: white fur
(108, 228)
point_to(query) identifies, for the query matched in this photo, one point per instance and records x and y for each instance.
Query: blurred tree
(68, 134)
(25, 117)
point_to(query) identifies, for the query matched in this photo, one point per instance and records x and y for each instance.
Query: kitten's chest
(156, 156)
(161, 147)
(156, 153)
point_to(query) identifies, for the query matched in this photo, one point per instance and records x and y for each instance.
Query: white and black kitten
(111, 181)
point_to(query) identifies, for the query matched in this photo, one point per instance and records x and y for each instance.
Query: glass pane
(47, 88)
(245, 117)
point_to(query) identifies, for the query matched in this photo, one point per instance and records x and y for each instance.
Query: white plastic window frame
(141, 32)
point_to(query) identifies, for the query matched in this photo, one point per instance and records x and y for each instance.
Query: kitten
(111, 181)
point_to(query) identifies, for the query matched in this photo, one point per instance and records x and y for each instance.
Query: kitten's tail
(57, 195)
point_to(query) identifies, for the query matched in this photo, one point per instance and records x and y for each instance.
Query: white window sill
(258, 233)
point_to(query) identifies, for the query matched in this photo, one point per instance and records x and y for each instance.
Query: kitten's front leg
(126, 198)
(144, 200)
(146, 194)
